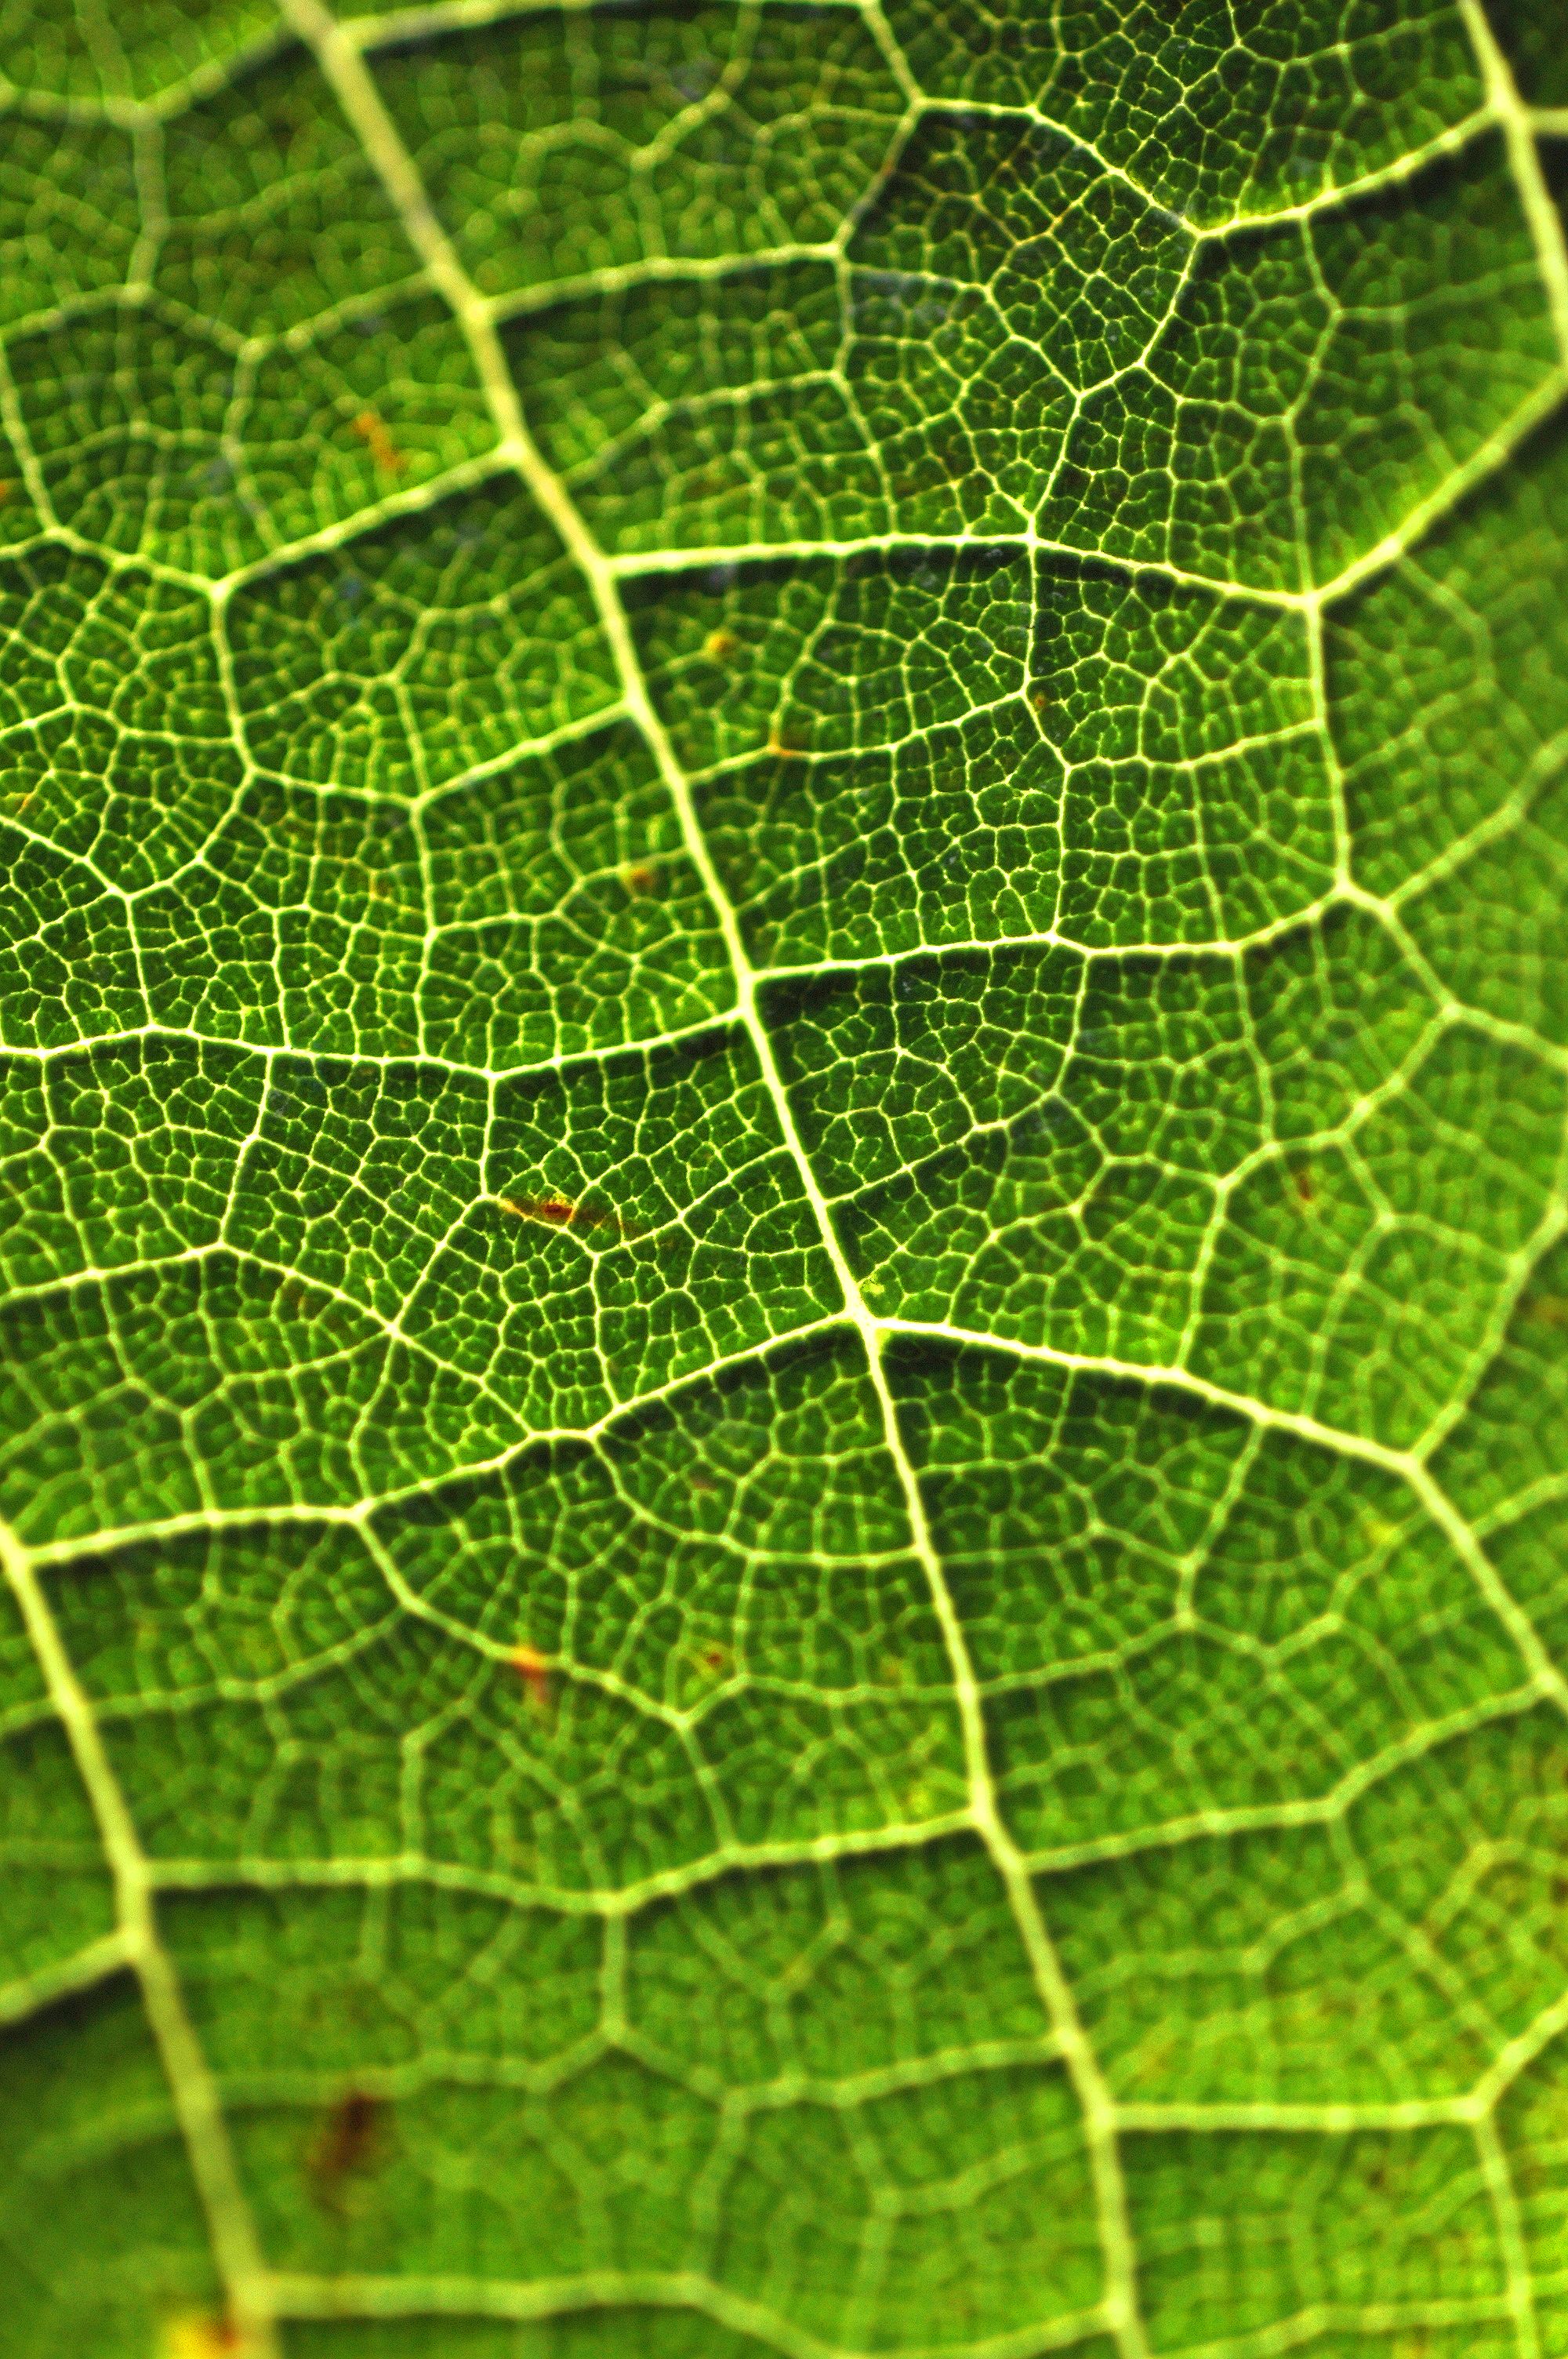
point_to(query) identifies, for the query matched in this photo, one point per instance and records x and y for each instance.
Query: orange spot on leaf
(533, 1669)
(372, 434)
(641, 877)
(720, 644)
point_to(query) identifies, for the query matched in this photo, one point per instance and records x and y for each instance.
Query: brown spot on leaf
(719, 644)
(349, 2145)
(551, 1212)
(557, 1211)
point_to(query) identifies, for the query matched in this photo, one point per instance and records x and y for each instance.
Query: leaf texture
(785, 1433)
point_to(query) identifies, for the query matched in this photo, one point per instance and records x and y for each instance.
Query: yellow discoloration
(197, 2337)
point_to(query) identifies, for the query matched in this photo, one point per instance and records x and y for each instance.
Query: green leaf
(783, 1419)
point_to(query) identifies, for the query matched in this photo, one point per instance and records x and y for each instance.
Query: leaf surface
(784, 1430)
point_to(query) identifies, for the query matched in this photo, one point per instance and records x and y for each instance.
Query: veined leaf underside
(785, 1057)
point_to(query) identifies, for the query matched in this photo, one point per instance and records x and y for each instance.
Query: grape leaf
(785, 1264)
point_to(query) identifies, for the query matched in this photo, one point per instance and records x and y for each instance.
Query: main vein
(343, 65)
(236, 2251)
